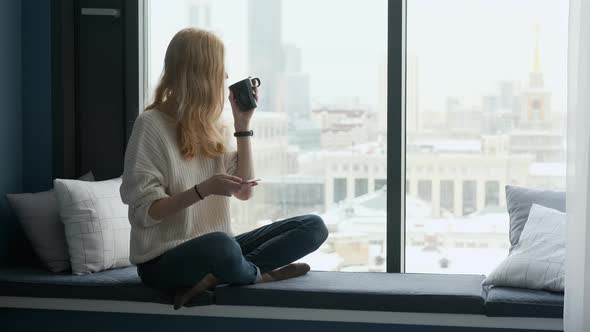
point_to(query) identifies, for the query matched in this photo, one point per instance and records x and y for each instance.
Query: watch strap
(244, 133)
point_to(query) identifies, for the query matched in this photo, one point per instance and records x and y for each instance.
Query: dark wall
(69, 94)
(25, 113)
(11, 134)
(36, 91)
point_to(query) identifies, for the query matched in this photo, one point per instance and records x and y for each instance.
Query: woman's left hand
(241, 118)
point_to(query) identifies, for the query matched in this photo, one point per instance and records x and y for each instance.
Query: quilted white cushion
(38, 214)
(537, 261)
(96, 224)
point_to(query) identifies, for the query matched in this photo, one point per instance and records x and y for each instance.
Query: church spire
(536, 76)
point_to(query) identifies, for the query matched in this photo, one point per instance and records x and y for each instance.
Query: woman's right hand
(220, 184)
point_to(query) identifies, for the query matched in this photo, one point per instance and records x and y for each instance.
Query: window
(380, 183)
(425, 190)
(447, 196)
(340, 189)
(469, 197)
(361, 187)
(310, 120)
(492, 193)
(478, 117)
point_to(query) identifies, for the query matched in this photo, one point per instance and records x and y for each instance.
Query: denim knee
(224, 247)
(318, 230)
(227, 255)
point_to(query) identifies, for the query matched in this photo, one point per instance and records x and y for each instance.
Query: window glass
(485, 107)
(321, 113)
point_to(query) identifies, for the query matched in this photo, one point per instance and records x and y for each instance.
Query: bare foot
(286, 272)
(184, 295)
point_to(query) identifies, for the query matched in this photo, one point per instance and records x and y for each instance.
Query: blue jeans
(235, 260)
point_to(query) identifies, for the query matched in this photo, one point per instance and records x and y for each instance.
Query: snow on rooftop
(461, 260)
(548, 169)
(450, 145)
(372, 149)
(371, 209)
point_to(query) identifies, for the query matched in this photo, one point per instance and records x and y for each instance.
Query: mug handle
(255, 82)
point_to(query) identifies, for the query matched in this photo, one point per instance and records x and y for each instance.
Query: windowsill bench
(437, 297)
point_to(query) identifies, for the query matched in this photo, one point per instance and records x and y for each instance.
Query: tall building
(412, 96)
(303, 131)
(265, 55)
(292, 59)
(501, 111)
(464, 121)
(536, 113)
(343, 128)
(382, 95)
(459, 177)
(296, 95)
(536, 132)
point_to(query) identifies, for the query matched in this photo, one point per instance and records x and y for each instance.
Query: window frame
(396, 108)
(396, 136)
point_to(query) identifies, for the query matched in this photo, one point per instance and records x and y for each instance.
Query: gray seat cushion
(520, 302)
(435, 293)
(118, 284)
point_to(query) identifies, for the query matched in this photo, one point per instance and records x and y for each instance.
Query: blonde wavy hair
(192, 81)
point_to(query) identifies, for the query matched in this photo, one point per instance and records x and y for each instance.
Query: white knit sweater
(154, 168)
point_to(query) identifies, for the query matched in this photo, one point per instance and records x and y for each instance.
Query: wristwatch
(243, 133)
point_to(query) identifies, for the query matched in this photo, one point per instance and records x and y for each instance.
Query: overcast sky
(464, 47)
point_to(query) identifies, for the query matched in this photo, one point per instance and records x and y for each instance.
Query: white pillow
(38, 214)
(537, 261)
(96, 224)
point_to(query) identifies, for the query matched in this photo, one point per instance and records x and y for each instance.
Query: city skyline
(320, 143)
(326, 51)
(490, 45)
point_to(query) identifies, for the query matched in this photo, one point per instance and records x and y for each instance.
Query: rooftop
(449, 145)
(548, 169)
(371, 209)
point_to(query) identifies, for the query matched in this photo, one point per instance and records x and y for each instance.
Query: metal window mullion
(396, 76)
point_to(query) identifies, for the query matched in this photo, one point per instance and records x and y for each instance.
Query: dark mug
(244, 93)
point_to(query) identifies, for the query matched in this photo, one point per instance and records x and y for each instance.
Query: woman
(179, 175)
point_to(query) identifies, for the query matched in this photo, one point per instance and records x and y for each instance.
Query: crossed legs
(262, 255)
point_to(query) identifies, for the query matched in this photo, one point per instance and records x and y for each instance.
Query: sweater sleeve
(144, 174)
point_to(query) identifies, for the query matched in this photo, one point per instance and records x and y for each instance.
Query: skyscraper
(412, 95)
(296, 99)
(303, 131)
(265, 56)
(382, 95)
